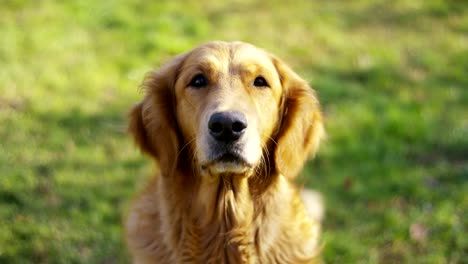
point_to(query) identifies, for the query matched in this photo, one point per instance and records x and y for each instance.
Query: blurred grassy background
(392, 77)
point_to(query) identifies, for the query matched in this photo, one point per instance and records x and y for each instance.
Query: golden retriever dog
(230, 127)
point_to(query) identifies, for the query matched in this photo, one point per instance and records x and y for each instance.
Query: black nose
(227, 126)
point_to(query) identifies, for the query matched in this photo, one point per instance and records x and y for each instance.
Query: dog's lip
(227, 158)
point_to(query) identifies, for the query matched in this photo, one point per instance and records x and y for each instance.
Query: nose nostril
(238, 126)
(216, 127)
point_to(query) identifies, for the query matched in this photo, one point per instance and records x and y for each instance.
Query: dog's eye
(198, 81)
(260, 82)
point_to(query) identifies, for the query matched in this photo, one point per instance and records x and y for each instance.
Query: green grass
(392, 77)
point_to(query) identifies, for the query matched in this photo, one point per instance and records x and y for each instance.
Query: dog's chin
(228, 168)
(227, 165)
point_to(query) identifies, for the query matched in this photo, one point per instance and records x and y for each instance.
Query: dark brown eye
(260, 82)
(199, 81)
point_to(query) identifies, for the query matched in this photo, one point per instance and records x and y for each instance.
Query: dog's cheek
(201, 141)
(253, 145)
(202, 149)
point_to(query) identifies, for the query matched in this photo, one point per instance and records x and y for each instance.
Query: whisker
(186, 145)
(264, 162)
(180, 152)
(273, 140)
(194, 166)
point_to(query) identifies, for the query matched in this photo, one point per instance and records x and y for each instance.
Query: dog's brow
(207, 66)
(253, 69)
(245, 68)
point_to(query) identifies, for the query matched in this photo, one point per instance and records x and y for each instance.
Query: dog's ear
(153, 121)
(301, 127)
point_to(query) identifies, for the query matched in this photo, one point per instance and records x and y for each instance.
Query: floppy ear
(301, 126)
(152, 121)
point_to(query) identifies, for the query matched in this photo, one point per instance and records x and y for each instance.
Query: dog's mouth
(227, 162)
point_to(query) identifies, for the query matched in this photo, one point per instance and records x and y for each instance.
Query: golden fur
(245, 209)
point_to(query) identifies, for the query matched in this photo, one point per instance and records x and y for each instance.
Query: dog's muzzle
(226, 142)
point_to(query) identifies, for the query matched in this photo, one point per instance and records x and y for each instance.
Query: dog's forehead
(237, 54)
(249, 55)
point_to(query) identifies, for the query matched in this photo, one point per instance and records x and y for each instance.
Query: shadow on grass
(69, 177)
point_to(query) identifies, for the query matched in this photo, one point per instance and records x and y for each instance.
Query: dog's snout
(227, 126)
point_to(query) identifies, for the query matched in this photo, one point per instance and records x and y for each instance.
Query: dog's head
(231, 108)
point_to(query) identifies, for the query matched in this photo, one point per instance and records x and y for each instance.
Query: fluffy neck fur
(216, 218)
(223, 221)
(181, 220)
